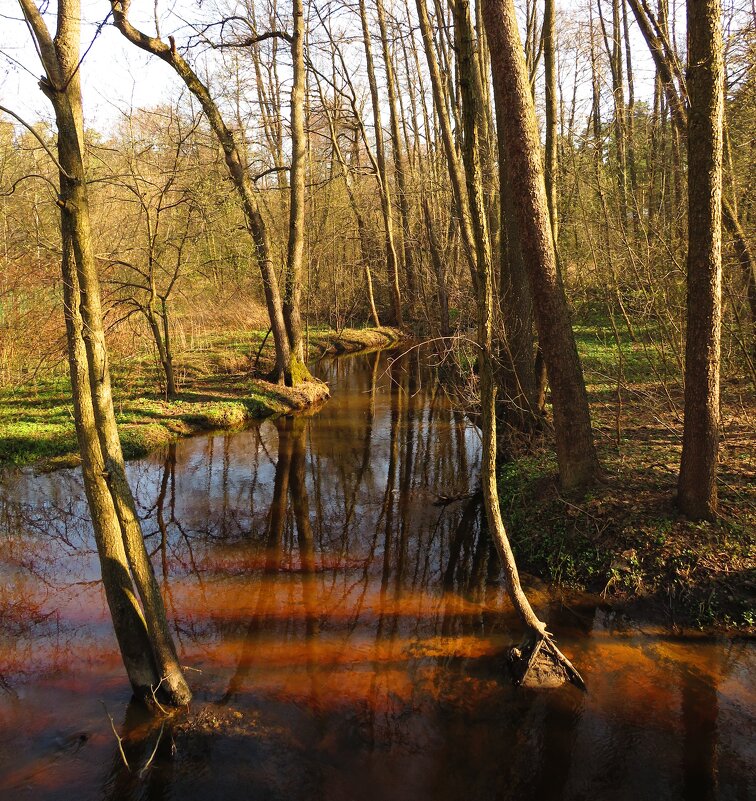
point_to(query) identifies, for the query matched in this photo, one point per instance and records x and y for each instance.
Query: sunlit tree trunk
(697, 488)
(456, 171)
(398, 155)
(578, 463)
(392, 259)
(552, 119)
(144, 638)
(675, 92)
(295, 251)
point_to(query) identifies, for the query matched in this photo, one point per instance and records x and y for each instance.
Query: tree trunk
(146, 644)
(165, 362)
(578, 463)
(398, 154)
(550, 160)
(456, 173)
(392, 260)
(676, 96)
(295, 251)
(697, 489)
(235, 165)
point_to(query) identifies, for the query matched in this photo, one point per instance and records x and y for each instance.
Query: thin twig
(118, 737)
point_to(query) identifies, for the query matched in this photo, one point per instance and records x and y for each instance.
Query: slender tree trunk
(236, 169)
(295, 251)
(165, 361)
(630, 111)
(146, 644)
(170, 376)
(439, 267)
(456, 172)
(550, 160)
(392, 259)
(697, 488)
(398, 154)
(578, 463)
(674, 91)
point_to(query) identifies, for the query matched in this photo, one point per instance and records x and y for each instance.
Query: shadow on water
(343, 632)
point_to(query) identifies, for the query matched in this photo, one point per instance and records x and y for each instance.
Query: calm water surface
(343, 634)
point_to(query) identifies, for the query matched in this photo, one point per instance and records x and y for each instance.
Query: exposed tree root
(538, 663)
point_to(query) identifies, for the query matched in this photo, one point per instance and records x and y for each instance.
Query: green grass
(642, 361)
(217, 392)
(626, 539)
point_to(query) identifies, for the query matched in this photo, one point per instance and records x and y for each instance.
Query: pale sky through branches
(118, 77)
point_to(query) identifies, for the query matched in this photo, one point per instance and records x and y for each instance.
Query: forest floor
(221, 386)
(625, 539)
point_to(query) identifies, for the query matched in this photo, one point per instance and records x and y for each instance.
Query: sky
(116, 76)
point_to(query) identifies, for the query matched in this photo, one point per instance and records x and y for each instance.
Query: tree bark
(295, 250)
(398, 155)
(697, 488)
(578, 463)
(144, 638)
(456, 172)
(392, 259)
(550, 84)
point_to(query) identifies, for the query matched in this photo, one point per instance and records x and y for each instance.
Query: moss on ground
(220, 388)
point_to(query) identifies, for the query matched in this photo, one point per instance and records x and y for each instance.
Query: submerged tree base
(539, 664)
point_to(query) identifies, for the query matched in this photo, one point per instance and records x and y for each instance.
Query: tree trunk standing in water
(295, 252)
(697, 489)
(578, 463)
(392, 259)
(513, 404)
(144, 639)
(541, 663)
(237, 171)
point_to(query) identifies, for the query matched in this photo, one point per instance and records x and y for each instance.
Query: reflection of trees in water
(47, 562)
(312, 552)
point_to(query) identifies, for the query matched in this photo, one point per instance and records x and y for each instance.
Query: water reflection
(347, 628)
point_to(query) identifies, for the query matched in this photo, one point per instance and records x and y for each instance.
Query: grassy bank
(220, 388)
(625, 540)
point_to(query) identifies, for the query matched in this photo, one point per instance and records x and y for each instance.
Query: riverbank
(221, 387)
(625, 540)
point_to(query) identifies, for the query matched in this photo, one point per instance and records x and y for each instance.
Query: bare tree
(236, 169)
(142, 630)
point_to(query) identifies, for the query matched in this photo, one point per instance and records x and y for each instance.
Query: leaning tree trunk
(578, 463)
(237, 172)
(144, 638)
(542, 658)
(697, 488)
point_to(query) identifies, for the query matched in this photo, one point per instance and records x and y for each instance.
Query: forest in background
(165, 214)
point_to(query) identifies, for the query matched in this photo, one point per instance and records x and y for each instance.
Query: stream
(343, 632)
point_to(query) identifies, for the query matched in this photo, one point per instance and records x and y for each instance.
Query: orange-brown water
(343, 634)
